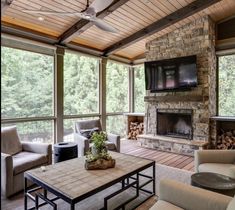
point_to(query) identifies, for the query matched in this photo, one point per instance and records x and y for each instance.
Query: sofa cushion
(220, 168)
(231, 205)
(163, 205)
(24, 161)
(10, 141)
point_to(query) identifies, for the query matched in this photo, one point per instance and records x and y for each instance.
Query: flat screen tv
(171, 74)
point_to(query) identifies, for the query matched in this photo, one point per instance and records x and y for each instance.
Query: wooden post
(131, 89)
(103, 65)
(59, 94)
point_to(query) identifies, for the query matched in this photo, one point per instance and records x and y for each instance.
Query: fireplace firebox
(175, 123)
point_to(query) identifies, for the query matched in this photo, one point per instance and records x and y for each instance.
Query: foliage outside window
(117, 87)
(116, 124)
(116, 96)
(27, 81)
(81, 84)
(26, 84)
(139, 89)
(227, 85)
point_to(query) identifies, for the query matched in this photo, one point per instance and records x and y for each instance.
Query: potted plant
(98, 157)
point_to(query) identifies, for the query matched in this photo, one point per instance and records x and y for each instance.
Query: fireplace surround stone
(195, 38)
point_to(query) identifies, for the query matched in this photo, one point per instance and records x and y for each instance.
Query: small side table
(214, 182)
(65, 151)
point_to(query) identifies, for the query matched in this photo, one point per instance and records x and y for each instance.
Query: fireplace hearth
(175, 123)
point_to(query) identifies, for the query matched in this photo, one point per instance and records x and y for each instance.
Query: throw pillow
(89, 132)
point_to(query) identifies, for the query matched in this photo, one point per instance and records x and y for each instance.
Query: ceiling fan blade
(99, 5)
(103, 25)
(44, 12)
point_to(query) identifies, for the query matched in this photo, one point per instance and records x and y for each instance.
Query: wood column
(131, 89)
(102, 84)
(59, 94)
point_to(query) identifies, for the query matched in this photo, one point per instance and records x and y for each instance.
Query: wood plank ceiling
(128, 18)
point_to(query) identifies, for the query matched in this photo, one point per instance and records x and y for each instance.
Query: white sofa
(215, 161)
(178, 196)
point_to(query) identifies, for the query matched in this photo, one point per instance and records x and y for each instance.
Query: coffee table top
(71, 179)
(213, 181)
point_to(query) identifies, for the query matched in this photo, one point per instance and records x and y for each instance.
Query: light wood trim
(5, 4)
(102, 91)
(59, 94)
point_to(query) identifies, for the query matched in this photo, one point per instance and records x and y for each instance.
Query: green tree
(139, 88)
(227, 85)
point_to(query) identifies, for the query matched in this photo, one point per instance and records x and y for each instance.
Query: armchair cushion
(27, 160)
(192, 198)
(10, 141)
(220, 168)
(160, 205)
(231, 205)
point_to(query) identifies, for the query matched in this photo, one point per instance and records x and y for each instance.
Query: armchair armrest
(40, 148)
(114, 139)
(83, 144)
(192, 198)
(214, 156)
(6, 174)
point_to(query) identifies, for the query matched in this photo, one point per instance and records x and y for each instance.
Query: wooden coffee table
(214, 182)
(70, 181)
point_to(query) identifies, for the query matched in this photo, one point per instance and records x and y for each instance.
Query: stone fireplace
(179, 121)
(175, 123)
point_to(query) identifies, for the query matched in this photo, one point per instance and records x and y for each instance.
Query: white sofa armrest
(114, 139)
(40, 148)
(6, 174)
(213, 156)
(83, 144)
(192, 198)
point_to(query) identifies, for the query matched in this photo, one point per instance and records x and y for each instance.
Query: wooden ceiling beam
(83, 24)
(4, 5)
(159, 25)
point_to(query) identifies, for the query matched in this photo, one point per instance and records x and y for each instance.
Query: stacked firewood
(226, 140)
(135, 129)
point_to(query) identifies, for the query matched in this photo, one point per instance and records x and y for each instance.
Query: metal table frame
(129, 180)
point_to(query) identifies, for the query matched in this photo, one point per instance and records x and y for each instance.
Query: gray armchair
(178, 196)
(81, 127)
(215, 161)
(17, 157)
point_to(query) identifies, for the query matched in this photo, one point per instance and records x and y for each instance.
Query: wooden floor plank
(166, 158)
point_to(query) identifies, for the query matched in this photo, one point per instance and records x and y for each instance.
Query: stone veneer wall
(196, 38)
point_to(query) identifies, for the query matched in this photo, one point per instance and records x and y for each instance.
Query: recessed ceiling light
(41, 18)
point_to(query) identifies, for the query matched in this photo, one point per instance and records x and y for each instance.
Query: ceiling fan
(89, 13)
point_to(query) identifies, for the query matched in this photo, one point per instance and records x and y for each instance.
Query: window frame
(219, 54)
(95, 114)
(31, 48)
(49, 50)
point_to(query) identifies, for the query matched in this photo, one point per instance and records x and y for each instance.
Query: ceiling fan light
(41, 18)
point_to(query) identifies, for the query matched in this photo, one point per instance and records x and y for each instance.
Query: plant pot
(96, 152)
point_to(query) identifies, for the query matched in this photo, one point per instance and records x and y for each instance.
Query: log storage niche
(225, 127)
(135, 125)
